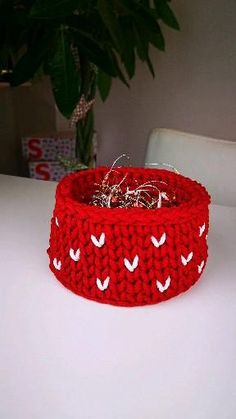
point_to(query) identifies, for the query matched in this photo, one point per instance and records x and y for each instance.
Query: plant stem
(85, 127)
(84, 138)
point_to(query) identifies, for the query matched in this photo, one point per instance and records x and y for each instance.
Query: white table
(63, 357)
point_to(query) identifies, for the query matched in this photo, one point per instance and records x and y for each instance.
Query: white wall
(194, 89)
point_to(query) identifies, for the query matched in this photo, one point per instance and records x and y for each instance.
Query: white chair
(211, 161)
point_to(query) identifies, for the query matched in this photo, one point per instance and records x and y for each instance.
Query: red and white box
(46, 170)
(48, 147)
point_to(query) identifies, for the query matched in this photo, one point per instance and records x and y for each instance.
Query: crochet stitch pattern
(128, 256)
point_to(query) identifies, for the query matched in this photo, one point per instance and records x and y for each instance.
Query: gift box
(49, 147)
(46, 170)
(128, 256)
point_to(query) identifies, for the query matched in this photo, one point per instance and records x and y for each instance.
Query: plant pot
(134, 256)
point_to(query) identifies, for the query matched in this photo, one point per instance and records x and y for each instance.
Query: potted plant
(81, 45)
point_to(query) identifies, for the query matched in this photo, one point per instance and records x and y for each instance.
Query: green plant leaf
(145, 21)
(103, 57)
(117, 66)
(151, 29)
(150, 66)
(95, 53)
(166, 14)
(109, 17)
(52, 9)
(90, 25)
(29, 63)
(128, 57)
(141, 44)
(104, 82)
(65, 77)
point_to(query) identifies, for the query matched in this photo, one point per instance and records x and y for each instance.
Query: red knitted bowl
(132, 256)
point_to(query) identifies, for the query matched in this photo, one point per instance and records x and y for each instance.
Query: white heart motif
(200, 267)
(164, 287)
(158, 243)
(57, 264)
(102, 286)
(202, 229)
(100, 242)
(131, 266)
(57, 222)
(184, 260)
(75, 255)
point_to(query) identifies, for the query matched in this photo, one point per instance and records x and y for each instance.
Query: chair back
(210, 161)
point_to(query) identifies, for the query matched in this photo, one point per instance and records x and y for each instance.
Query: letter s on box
(35, 150)
(42, 171)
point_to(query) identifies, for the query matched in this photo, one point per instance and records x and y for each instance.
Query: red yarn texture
(132, 256)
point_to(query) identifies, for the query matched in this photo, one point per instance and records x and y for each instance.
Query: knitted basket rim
(198, 197)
